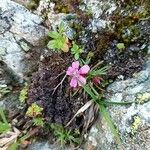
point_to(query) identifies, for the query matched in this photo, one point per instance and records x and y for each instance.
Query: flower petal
(84, 69)
(75, 64)
(70, 71)
(81, 80)
(73, 82)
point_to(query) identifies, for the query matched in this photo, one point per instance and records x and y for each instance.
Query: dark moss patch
(59, 107)
(66, 6)
(132, 30)
(33, 4)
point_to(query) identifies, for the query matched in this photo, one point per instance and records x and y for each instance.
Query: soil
(59, 107)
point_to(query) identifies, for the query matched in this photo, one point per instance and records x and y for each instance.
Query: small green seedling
(39, 121)
(34, 110)
(60, 41)
(76, 51)
(120, 46)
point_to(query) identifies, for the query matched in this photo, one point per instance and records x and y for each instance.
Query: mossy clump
(23, 94)
(33, 4)
(135, 125)
(66, 6)
(143, 98)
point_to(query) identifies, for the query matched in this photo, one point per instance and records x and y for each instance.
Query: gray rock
(25, 3)
(99, 8)
(46, 7)
(132, 121)
(46, 146)
(22, 22)
(17, 25)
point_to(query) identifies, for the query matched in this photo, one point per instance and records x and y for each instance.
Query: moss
(23, 94)
(143, 98)
(33, 4)
(24, 46)
(135, 125)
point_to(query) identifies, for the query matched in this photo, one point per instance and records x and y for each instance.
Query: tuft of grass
(103, 111)
(65, 136)
(39, 121)
(4, 125)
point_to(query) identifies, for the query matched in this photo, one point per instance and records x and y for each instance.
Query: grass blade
(114, 103)
(110, 123)
(89, 91)
(3, 116)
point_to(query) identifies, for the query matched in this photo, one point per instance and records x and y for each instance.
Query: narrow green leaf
(101, 71)
(114, 103)
(61, 27)
(110, 123)
(88, 90)
(2, 115)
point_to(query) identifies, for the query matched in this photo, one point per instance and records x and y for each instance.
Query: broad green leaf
(52, 44)
(76, 56)
(54, 35)
(60, 44)
(110, 123)
(73, 52)
(75, 48)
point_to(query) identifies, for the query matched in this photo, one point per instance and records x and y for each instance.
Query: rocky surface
(132, 121)
(101, 11)
(19, 30)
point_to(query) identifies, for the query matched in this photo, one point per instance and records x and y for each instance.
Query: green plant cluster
(65, 136)
(35, 112)
(92, 90)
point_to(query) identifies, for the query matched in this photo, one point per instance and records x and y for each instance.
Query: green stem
(114, 103)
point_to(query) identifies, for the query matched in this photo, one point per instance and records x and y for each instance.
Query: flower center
(76, 73)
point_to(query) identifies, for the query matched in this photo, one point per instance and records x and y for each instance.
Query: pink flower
(77, 74)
